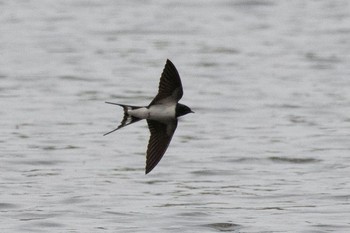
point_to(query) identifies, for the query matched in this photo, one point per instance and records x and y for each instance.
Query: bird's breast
(161, 112)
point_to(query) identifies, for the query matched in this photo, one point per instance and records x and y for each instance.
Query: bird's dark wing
(170, 87)
(159, 141)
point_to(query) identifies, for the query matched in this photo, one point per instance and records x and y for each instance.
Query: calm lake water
(268, 149)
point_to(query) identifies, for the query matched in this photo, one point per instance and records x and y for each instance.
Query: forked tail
(127, 119)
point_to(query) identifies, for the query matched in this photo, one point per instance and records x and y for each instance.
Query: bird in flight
(161, 114)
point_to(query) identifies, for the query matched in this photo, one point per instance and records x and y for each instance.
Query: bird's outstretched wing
(159, 141)
(170, 87)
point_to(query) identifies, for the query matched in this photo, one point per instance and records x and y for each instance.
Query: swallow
(161, 115)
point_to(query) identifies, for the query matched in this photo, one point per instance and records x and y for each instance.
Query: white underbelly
(155, 112)
(142, 113)
(162, 113)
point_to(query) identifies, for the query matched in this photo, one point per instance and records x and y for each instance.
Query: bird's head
(182, 109)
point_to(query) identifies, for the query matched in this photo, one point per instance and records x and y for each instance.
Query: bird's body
(161, 114)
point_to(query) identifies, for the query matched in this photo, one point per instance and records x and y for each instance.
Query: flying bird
(161, 115)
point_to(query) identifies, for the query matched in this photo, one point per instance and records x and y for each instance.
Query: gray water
(266, 151)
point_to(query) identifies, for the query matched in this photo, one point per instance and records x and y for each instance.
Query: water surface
(267, 150)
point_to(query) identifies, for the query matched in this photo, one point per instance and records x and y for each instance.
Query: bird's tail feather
(127, 119)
